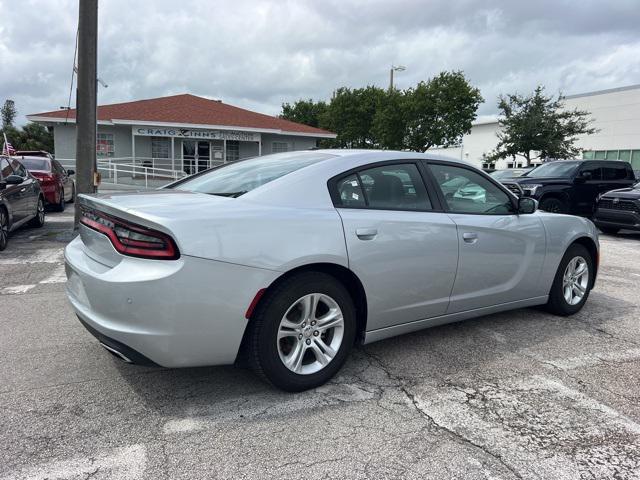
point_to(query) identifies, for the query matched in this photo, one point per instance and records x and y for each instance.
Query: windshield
(514, 172)
(556, 169)
(238, 178)
(41, 164)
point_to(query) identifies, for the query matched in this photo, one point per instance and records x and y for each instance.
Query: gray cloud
(259, 54)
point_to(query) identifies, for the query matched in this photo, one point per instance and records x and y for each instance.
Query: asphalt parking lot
(516, 395)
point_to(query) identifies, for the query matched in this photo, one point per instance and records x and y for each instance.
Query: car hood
(630, 193)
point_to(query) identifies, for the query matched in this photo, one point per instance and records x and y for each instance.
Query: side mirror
(14, 180)
(70, 172)
(527, 205)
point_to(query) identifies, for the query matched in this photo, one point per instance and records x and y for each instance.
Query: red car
(56, 182)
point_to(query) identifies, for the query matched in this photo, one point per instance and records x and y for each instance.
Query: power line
(73, 72)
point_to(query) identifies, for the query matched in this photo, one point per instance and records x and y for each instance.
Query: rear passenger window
(19, 168)
(350, 192)
(614, 172)
(389, 187)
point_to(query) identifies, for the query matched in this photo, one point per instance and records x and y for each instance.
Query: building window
(104, 145)
(233, 150)
(600, 155)
(279, 147)
(160, 147)
(587, 155)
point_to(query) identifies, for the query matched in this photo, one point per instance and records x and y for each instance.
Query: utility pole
(86, 98)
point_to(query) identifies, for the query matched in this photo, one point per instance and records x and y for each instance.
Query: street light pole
(86, 115)
(399, 68)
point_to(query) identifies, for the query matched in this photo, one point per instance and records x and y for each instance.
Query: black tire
(59, 207)
(4, 229)
(38, 220)
(262, 346)
(557, 303)
(554, 205)
(609, 230)
(73, 193)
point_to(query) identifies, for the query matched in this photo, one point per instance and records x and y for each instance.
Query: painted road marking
(58, 275)
(125, 463)
(15, 289)
(45, 255)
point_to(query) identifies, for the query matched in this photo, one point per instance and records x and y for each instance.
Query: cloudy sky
(257, 54)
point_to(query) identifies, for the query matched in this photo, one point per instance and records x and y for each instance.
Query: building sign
(196, 133)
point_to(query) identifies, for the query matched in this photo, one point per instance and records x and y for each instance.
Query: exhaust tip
(115, 352)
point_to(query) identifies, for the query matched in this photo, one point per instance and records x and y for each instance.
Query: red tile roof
(189, 109)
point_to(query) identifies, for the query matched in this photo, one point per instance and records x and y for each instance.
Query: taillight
(43, 177)
(131, 239)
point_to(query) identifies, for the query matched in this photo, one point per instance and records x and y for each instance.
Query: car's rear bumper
(178, 313)
(617, 219)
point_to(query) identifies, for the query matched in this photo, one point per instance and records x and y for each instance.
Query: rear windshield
(238, 178)
(41, 164)
(561, 168)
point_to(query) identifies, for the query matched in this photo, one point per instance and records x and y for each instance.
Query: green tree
(307, 112)
(440, 111)
(389, 121)
(351, 115)
(8, 113)
(537, 126)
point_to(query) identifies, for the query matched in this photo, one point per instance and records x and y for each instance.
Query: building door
(196, 156)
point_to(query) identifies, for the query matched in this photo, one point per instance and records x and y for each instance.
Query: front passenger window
(19, 169)
(466, 191)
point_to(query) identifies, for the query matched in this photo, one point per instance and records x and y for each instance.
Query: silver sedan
(284, 262)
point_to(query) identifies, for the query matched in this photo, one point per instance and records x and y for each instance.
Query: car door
(11, 193)
(501, 253)
(28, 189)
(63, 178)
(587, 186)
(400, 244)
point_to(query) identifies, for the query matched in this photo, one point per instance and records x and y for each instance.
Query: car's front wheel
(4, 229)
(554, 205)
(38, 220)
(573, 282)
(302, 331)
(59, 207)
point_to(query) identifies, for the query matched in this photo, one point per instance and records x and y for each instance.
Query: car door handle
(366, 233)
(470, 237)
(22, 190)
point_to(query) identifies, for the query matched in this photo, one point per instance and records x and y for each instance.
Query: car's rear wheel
(38, 220)
(572, 283)
(4, 229)
(302, 331)
(554, 205)
(609, 230)
(59, 207)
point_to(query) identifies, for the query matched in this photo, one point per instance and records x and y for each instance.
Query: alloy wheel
(575, 280)
(4, 229)
(310, 333)
(40, 211)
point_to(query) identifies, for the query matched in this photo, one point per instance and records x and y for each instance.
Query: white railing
(141, 172)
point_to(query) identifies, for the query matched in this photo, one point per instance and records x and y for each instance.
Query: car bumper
(180, 313)
(617, 219)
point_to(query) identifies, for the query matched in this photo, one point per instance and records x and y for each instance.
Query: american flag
(7, 148)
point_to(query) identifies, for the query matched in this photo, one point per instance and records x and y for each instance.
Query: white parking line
(44, 255)
(15, 289)
(126, 463)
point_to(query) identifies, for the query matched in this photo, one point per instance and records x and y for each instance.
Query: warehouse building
(180, 132)
(615, 113)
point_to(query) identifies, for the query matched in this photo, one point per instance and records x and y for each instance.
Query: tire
(4, 229)
(38, 220)
(267, 353)
(609, 230)
(73, 193)
(59, 207)
(554, 205)
(559, 303)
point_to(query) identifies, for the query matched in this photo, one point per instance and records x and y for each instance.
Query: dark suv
(572, 186)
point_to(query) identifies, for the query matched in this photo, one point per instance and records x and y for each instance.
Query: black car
(21, 199)
(619, 209)
(572, 186)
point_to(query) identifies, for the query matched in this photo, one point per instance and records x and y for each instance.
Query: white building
(615, 113)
